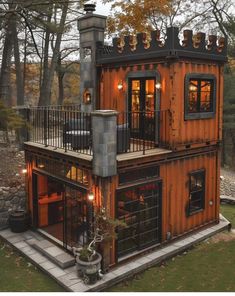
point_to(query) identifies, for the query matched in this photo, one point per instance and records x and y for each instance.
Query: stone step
(53, 253)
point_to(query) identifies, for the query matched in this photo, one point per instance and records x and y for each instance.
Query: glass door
(60, 211)
(142, 108)
(76, 218)
(140, 208)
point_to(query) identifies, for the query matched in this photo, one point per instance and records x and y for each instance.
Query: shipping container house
(145, 142)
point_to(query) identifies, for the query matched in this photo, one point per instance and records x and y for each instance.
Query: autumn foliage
(136, 15)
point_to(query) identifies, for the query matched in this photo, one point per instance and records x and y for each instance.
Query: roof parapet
(147, 46)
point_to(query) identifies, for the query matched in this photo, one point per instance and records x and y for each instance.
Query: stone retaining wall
(11, 198)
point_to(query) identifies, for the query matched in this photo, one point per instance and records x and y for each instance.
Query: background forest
(39, 47)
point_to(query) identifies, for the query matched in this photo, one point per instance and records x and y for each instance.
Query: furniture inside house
(50, 209)
(123, 138)
(77, 133)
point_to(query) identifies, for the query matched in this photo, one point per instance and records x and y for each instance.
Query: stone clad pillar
(91, 28)
(104, 142)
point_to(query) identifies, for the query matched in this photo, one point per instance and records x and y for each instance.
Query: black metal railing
(142, 131)
(70, 129)
(61, 127)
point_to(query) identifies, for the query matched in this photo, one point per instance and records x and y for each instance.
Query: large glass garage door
(140, 208)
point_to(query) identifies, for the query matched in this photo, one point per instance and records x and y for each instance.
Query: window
(140, 208)
(196, 191)
(200, 96)
(138, 174)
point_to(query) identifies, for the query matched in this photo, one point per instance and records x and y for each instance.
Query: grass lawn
(228, 211)
(208, 267)
(17, 275)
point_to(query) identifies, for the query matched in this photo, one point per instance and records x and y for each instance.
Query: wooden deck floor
(87, 154)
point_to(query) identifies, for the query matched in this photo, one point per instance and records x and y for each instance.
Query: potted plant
(88, 260)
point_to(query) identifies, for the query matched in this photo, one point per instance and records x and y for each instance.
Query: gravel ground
(227, 184)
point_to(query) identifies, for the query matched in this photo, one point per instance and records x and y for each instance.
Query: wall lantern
(86, 97)
(120, 85)
(91, 196)
(158, 85)
(24, 171)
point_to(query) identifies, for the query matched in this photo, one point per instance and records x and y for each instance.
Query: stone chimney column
(91, 28)
(104, 143)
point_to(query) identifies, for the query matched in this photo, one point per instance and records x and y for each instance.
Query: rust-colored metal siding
(175, 197)
(193, 131)
(112, 98)
(174, 129)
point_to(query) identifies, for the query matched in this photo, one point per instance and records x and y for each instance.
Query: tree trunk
(5, 75)
(19, 76)
(44, 78)
(45, 95)
(60, 77)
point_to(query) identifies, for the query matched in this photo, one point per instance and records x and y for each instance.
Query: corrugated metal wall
(112, 98)
(173, 128)
(175, 176)
(193, 131)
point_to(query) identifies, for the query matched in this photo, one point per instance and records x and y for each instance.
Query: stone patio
(55, 262)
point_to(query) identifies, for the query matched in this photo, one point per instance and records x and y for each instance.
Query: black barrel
(19, 221)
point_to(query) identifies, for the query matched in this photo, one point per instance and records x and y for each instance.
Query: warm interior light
(91, 196)
(87, 97)
(192, 87)
(120, 85)
(158, 85)
(24, 171)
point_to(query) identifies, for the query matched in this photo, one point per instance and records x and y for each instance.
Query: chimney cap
(89, 7)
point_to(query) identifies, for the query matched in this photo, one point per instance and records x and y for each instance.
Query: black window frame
(191, 209)
(200, 114)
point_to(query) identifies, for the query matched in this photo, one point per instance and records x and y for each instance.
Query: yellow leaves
(137, 15)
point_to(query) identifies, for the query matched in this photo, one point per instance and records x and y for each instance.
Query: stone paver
(47, 265)
(15, 239)
(68, 277)
(56, 272)
(54, 251)
(20, 245)
(155, 255)
(143, 260)
(79, 287)
(44, 244)
(38, 258)
(29, 251)
(31, 241)
(170, 249)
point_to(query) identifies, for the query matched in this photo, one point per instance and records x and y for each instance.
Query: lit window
(196, 191)
(199, 96)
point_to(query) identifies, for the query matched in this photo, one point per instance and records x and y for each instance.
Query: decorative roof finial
(89, 7)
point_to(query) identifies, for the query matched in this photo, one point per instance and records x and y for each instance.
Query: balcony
(68, 129)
